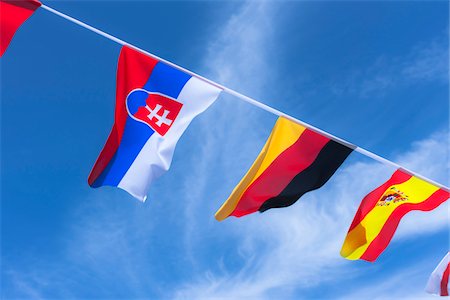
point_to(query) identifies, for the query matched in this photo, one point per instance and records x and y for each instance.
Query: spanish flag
(294, 161)
(380, 213)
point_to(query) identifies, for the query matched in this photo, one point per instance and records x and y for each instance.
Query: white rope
(248, 99)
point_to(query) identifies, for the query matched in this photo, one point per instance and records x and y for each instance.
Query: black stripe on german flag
(330, 158)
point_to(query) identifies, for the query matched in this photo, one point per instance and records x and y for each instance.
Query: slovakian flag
(12, 14)
(294, 161)
(381, 210)
(438, 282)
(155, 103)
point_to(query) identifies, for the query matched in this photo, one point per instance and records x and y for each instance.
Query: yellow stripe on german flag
(381, 210)
(294, 161)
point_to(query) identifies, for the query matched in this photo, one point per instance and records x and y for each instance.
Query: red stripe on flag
(444, 281)
(280, 172)
(12, 15)
(133, 71)
(369, 201)
(382, 240)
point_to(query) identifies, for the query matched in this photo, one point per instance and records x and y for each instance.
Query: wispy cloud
(98, 237)
(426, 62)
(30, 285)
(405, 284)
(237, 57)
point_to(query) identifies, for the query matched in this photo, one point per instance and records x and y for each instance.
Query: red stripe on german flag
(294, 161)
(381, 210)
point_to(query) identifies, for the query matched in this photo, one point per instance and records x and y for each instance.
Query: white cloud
(428, 62)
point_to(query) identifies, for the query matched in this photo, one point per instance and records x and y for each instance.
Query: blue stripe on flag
(135, 135)
(165, 80)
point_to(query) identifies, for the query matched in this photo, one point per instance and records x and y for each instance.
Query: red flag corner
(12, 15)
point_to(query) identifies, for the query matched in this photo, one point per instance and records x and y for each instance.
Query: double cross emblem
(156, 110)
(161, 119)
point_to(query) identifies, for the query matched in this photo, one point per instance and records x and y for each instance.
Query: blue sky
(374, 73)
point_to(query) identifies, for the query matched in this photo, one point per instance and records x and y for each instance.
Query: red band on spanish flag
(294, 161)
(12, 15)
(380, 213)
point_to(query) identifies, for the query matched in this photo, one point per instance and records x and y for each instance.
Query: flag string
(247, 99)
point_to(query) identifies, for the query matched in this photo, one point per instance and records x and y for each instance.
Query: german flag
(380, 213)
(294, 161)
